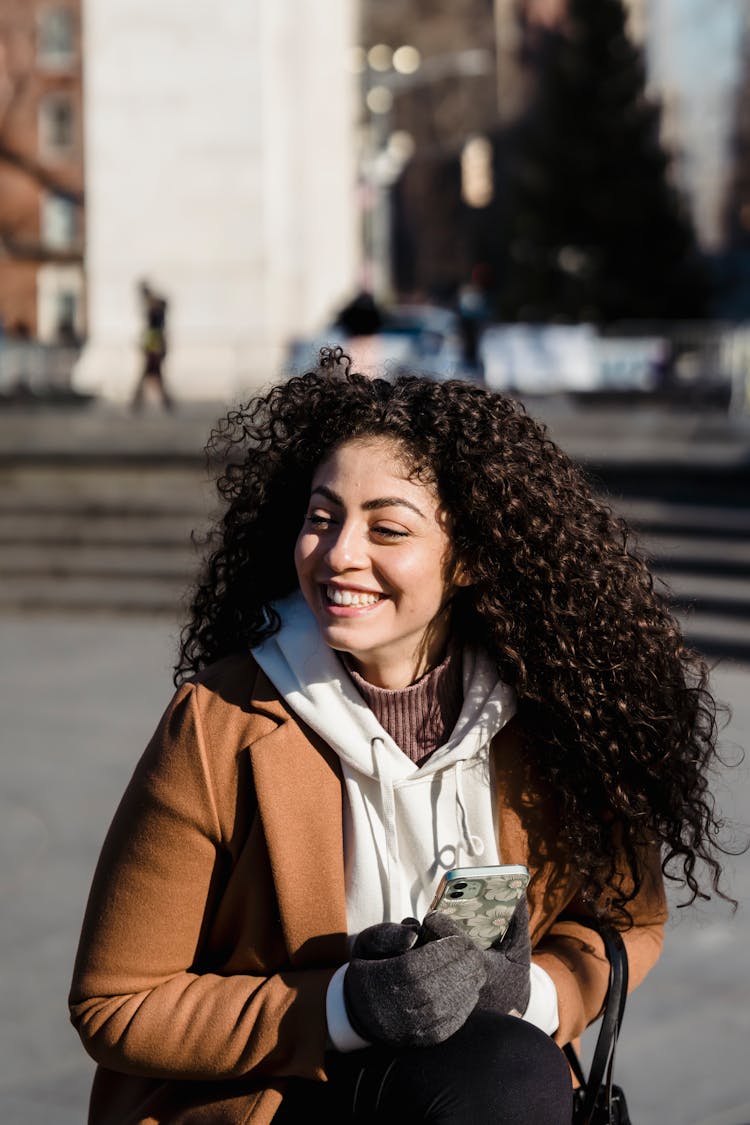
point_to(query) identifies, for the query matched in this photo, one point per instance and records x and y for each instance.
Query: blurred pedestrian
(418, 642)
(474, 314)
(361, 320)
(153, 348)
(361, 316)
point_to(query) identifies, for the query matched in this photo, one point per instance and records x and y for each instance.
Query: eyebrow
(370, 505)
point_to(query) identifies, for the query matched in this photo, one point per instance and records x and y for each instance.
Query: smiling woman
(372, 562)
(418, 643)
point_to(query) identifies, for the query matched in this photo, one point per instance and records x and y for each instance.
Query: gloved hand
(405, 994)
(507, 965)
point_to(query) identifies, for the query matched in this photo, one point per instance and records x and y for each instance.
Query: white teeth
(349, 597)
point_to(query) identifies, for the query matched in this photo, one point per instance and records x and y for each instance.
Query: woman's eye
(390, 533)
(317, 520)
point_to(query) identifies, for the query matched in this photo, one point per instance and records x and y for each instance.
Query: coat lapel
(299, 792)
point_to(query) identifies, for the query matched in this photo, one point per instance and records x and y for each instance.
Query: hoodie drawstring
(388, 805)
(473, 845)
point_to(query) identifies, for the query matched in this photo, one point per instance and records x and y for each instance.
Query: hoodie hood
(404, 825)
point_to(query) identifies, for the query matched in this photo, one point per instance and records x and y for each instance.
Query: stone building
(220, 169)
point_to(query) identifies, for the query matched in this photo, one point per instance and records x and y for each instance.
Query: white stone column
(220, 167)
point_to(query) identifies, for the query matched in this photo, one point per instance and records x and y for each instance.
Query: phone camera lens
(456, 894)
(460, 886)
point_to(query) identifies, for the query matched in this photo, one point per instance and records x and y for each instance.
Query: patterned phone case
(482, 903)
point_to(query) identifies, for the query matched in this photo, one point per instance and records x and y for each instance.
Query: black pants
(497, 1070)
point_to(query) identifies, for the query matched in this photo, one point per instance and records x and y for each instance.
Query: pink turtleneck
(421, 717)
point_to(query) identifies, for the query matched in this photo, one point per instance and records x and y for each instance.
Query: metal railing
(31, 369)
(698, 361)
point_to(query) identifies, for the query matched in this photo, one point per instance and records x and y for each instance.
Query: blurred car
(413, 338)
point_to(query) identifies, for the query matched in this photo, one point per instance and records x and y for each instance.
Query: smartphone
(482, 899)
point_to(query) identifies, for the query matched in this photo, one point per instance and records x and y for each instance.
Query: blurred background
(547, 197)
(547, 194)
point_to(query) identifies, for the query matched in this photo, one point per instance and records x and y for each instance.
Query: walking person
(418, 642)
(153, 349)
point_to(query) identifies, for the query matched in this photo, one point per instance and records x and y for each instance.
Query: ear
(461, 575)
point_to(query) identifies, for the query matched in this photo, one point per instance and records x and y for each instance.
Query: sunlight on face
(372, 559)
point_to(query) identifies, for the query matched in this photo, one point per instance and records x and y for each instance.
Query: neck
(392, 677)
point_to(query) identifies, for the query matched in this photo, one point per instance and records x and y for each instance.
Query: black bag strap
(603, 1061)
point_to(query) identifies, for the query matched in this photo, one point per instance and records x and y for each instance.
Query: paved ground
(79, 698)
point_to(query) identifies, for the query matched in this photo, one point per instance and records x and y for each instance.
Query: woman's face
(372, 559)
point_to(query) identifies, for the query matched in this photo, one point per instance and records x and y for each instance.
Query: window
(56, 37)
(66, 318)
(60, 306)
(59, 223)
(56, 124)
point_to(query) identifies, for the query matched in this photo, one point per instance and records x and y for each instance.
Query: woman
(419, 642)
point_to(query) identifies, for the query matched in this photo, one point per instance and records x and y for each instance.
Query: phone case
(482, 899)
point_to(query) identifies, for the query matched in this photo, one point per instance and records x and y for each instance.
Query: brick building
(41, 169)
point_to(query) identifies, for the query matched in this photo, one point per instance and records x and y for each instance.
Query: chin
(337, 639)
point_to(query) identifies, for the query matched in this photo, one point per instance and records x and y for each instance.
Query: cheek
(302, 552)
(421, 576)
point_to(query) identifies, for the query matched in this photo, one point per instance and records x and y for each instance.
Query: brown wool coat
(217, 916)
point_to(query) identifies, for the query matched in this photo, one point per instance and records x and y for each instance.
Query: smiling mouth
(335, 596)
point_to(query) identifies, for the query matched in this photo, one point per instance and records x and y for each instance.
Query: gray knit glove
(405, 994)
(507, 964)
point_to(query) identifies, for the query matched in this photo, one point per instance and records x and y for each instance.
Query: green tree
(595, 230)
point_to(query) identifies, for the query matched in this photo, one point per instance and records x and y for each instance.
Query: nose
(344, 550)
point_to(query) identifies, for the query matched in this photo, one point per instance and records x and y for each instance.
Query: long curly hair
(620, 729)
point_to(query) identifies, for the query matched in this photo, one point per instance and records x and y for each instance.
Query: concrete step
(63, 561)
(717, 555)
(127, 594)
(716, 635)
(74, 528)
(654, 515)
(113, 534)
(100, 491)
(728, 595)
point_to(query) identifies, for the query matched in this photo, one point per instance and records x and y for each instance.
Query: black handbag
(597, 1100)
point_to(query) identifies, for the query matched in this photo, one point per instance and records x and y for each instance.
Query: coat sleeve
(573, 954)
(137, 1000)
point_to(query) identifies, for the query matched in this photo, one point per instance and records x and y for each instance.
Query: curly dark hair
(618, 722)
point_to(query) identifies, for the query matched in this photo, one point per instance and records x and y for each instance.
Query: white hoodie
(404, 825)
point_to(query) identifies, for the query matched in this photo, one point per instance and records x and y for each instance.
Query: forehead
(372, 459)
(365, 457)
